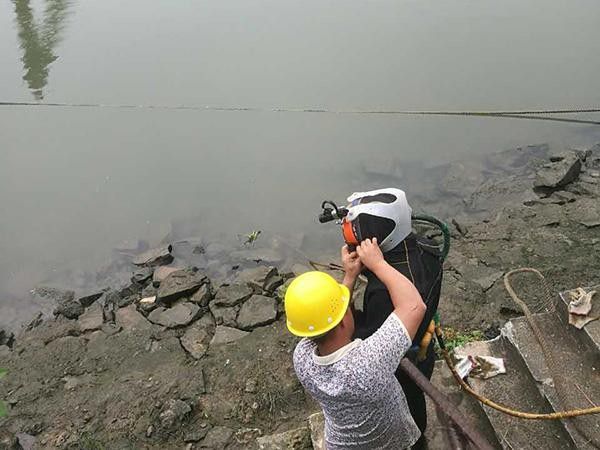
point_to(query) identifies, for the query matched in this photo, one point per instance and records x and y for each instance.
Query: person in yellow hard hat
(353, 380)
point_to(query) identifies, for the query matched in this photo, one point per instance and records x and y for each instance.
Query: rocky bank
(179, 358)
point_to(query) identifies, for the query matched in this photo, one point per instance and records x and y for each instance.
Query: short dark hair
(320, 338)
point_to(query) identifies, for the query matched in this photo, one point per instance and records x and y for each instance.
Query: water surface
(74, 182)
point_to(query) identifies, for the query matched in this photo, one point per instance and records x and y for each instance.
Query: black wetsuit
(419, 260)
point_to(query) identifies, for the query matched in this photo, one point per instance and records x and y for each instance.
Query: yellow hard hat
(314, 304)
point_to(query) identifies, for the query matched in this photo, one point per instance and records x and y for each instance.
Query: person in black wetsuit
(386, 215)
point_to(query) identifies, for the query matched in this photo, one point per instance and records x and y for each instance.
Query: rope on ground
(566, 414)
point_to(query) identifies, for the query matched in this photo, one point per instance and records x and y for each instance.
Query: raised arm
(408, 304)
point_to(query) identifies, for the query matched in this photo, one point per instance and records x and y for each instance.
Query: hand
(370, 254)
(351, 262)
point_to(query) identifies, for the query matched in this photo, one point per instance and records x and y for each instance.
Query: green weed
(455, 338)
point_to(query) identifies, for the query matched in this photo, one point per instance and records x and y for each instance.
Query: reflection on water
(38, 40)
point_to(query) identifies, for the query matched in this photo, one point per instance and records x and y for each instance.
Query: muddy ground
(199, 364)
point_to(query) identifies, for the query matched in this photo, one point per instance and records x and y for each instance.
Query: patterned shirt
(363, 403)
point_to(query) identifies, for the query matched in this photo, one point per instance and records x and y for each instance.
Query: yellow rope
(504, 409)
(513, 412)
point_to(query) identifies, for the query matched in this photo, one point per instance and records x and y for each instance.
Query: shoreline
(180, 356)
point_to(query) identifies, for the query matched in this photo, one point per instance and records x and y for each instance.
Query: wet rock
(203, 296)
(88, 299)
(7, 338)
(181, 283)
(257, 311)
(225, 335)
(149, 291)
(154, 257)
(217, 437)
(198, 250)
(92, 318)
(69, 308)
(128, 247)
(125, 301)
(267, 255)
(162, 272)
(563, 170)
(173, 413)
(196, 341)
(109, 302)
(142, 275)
(516, 159)
(294, 439)
(257, 276)
(232, 295)
(272, 283)
(179, 315)
(223, 315)
(130, 319)
(53, 294)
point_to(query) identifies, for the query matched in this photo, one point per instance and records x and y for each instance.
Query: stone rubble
(155, 257)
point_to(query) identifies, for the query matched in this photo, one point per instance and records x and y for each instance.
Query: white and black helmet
(382, 213)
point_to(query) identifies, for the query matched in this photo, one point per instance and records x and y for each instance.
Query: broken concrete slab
(225, 335)
(181, 314)
(517, 389)
(181, 283)
(257, 311)
(155, 257)
(571, 364)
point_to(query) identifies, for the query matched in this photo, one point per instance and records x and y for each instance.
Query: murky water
(74, 182)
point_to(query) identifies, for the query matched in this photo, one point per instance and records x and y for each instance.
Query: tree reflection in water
(39, 39)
